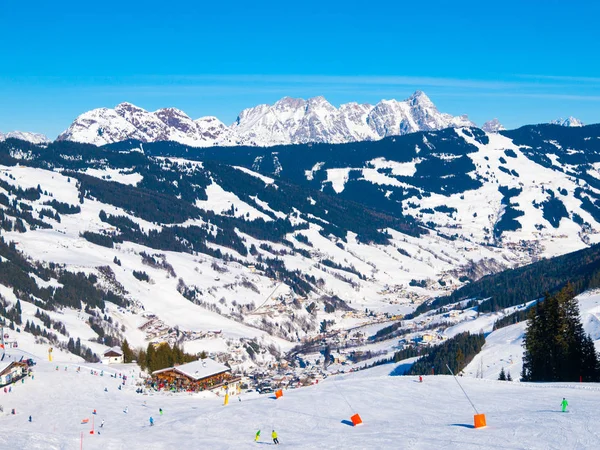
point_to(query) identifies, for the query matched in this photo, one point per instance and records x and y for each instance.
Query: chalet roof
(114, 350)
(197, 370)
(5, 365)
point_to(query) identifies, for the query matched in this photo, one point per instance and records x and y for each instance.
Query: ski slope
(398, 412)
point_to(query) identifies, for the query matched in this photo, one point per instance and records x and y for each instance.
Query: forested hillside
(531, 282)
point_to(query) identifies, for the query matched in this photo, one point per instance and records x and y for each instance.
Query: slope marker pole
(459, 385)
(479, 419)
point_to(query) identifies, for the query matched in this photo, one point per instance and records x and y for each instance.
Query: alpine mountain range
(288, 121)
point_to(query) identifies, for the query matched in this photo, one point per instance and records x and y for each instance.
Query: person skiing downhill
(257, 436)
(564, 404)
(151, 421)
(275, 439)
(126, 409)
(102, 424)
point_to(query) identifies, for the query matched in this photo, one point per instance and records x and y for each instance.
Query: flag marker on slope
(478, 419)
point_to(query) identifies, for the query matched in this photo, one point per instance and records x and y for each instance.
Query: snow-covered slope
(397, 412)
(288, 121)
(34, 138)
(504, 347)
(532, 189)
(236, 262)
(278, 247)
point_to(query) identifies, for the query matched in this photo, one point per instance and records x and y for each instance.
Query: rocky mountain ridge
(34, 138)
(288, 121)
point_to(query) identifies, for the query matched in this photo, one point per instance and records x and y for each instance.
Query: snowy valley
(294, 265)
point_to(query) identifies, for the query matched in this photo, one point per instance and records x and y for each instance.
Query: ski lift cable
(267, 299)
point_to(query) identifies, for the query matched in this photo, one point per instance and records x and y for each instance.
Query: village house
(11, 371)
(113, 355)
(428, 337)
(204, 374)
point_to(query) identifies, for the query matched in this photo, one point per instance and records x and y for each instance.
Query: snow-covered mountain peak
(493, 126)
(286, 103)
(128, 107)
(355, 106)
(209, 119)
(34, 138)
(568, 122)
(174, 117)
(420, 98)
(287, 121)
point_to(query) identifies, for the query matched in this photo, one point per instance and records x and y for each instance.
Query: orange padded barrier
(356, 420)
(479, 420)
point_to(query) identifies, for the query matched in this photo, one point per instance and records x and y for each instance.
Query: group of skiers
(160, 411)
(273, 436)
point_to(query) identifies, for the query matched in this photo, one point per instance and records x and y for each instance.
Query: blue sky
(521, 61)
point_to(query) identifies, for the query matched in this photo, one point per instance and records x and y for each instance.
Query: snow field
(398, 412)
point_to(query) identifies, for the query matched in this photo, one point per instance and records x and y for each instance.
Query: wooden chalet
(113, 355)
(204, 374)
(12, 371)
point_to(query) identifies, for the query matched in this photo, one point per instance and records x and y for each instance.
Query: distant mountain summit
(126, 121)
(288, 121)
(568, 122)
(493, 126)
(34, 138)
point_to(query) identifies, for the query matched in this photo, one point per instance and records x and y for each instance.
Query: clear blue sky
(521, 61)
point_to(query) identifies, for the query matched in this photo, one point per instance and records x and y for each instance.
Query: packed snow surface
(398, 412)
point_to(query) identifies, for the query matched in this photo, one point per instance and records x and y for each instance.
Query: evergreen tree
(141, 358)
(128, 355)
(150, 357)
(456, 352)
(556, 346)
(502, 376)
(508, 377)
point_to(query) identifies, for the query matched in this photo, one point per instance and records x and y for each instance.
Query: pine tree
(150, 358)
(508, 377)
(502, 376)
(141, 358)
(127, 352)
(556, 346)
(460, 359)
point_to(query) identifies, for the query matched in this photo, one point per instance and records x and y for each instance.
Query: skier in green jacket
(564, 405)
(257, 436)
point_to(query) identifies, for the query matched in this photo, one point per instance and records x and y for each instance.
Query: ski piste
(430, 414)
